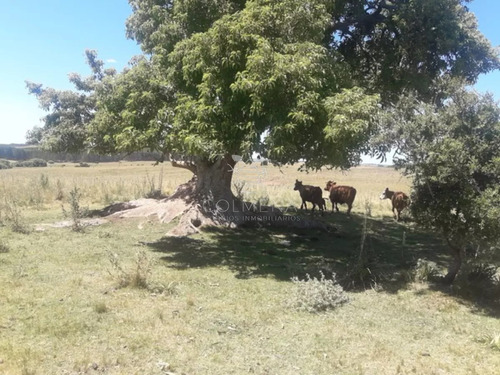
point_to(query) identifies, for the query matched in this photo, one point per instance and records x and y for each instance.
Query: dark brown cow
(398, 199)
(341, 194)
(311, 194)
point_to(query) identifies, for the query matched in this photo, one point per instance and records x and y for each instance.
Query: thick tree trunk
(215, 177)
(216, 200)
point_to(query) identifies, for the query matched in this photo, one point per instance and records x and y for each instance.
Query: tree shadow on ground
(391, 249)
(480, 296)
(390, 252)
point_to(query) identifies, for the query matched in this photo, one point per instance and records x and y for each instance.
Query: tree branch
(190, 165)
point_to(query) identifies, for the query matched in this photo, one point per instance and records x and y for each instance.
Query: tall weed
(137, 277)
(13, 216)
(153, 191)
(76, 212)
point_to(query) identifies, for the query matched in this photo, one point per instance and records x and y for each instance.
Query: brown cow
(398, 199)
(341, 194)
(311, 194)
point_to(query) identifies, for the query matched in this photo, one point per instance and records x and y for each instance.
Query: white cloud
(111, 61)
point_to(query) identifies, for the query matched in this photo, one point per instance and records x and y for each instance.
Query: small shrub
(83, 165)
(14, 218)
(315, 295)
(482, 272)
(154, 192)
(5, 164)
(76, 212)
(32, 163)
(478, 282)
(138, 277)
(425, 270)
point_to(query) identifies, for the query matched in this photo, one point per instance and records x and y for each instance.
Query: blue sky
(44, 41)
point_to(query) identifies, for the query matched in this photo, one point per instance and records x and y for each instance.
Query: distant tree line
(23, 152)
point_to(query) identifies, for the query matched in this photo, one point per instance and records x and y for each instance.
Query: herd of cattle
(345, 195)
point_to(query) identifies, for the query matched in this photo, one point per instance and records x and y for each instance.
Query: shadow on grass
(480, 296)
(391, 250)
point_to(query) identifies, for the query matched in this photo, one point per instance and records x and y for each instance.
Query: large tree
(293, 80)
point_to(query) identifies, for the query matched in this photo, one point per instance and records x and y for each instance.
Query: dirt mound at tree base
(192, 217)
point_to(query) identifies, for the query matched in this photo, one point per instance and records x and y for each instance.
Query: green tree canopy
(66, 126)
(291, 79)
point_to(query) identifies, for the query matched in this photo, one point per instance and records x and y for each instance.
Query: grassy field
(122, 298)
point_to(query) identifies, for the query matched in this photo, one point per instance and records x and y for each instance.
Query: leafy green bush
(32, 163)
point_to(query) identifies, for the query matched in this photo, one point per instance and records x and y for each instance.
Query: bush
(315, 295)
(13, 217)
(425, 271)
(482, 273)
(32, 163)
(138, 276)
(5, 164)
(478, 282)
(154, 194)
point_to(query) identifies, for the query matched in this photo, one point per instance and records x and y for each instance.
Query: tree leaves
(290, 79)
